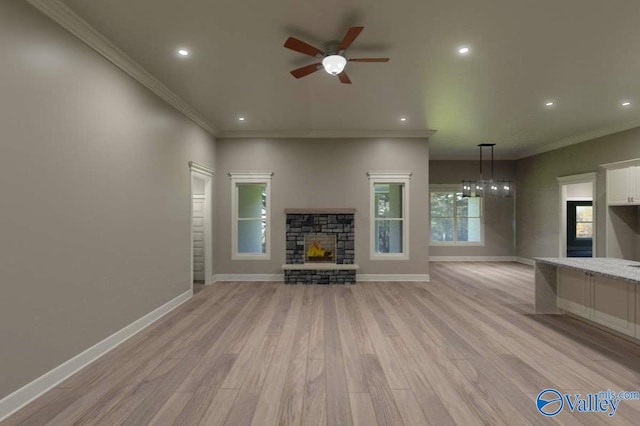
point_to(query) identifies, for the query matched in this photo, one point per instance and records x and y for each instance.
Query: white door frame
(563, 182)
(205, 173)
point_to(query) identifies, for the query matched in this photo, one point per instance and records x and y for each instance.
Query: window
(454, 218)
(250, 233)
(584, 222)
(389, 215)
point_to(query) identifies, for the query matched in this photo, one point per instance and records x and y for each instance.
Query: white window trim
(389, 177)
(249, 177)
(456, 188)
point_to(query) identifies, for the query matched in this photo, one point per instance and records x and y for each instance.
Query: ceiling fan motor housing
(333, 60)
(331, 48)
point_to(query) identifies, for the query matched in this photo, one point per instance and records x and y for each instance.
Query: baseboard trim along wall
(526, 261)
(18, 399)
(249, 277)
(393, 277)
(473, 259)
(523, 260)
(359, 277)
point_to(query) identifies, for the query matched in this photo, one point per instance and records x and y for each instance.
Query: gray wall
(323, 173)
(499, 220)
(537, 204)
(95, 197)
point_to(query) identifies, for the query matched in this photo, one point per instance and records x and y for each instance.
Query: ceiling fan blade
(369, 60)
(306, 70)
(349, 37)
(344, 78)
(302, 47)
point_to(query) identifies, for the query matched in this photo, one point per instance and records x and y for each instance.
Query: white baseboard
(18, 399)
(393, 277)
(472, 259)
(249, 277)
(526, 261)
(359, 277)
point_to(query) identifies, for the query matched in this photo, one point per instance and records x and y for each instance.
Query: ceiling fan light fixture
(334, 64)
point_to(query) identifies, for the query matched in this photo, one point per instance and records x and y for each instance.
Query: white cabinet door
(634, 178)
(619, 186)
(614, 304)
(574, 293)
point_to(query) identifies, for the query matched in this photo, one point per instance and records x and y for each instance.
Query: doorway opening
(577, 215)
(579, 228)
(201, 222)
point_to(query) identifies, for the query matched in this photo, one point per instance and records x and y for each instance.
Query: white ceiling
(583, 54)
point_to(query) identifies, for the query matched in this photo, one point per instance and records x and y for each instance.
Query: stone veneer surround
(339, 222)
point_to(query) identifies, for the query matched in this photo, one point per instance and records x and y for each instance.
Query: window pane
(252, 236)
(584, 230)
(584, 213)
(469, 229)
(252, 200)
(441, 204)
(441, 229)
(388, 200)
(388, 236)
(467, 207)
(473, 207)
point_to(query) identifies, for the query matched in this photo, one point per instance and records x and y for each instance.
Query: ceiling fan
(333, 55)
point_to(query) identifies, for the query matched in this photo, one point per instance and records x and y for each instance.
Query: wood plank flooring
(462, 349)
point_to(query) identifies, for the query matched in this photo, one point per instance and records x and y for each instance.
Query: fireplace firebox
(320, 247)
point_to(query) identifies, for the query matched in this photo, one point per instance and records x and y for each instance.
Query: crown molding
(327, 134)
(582, 137)
(72, 22)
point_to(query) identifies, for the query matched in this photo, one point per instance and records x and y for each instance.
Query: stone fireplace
(320, 246)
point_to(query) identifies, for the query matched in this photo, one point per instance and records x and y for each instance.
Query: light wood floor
(462, 349)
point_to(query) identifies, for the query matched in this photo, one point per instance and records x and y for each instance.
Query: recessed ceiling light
(549, 104)
(183, 52)
(241, 118)
(403, 119)
(464, 50)
(626, 103)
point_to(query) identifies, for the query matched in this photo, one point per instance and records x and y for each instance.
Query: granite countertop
(627, 270)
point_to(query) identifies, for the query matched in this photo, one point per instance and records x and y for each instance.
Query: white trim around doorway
(563, 182)
(199, 171)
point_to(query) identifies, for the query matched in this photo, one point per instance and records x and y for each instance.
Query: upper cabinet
(623, 183)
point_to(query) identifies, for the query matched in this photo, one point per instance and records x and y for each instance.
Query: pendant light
(486, 187)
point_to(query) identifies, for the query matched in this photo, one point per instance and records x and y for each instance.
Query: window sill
(250, 257)
(399, 256)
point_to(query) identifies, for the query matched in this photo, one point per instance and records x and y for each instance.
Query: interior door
(580, 228)
(198, 238)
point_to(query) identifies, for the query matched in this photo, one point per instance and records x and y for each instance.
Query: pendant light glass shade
(334, 64)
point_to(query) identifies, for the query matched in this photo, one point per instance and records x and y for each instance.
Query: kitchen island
(603, 291)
